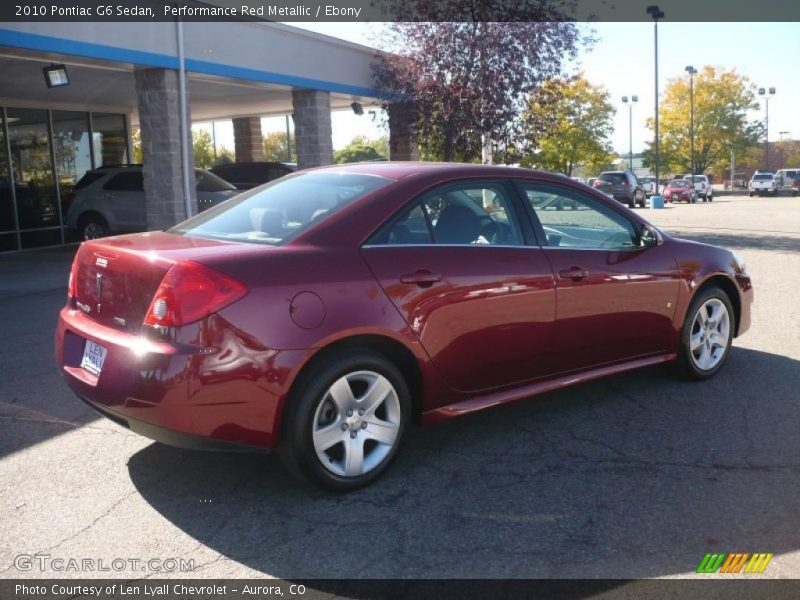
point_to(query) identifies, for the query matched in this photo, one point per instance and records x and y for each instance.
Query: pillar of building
(248, 140)
(159, 122)
(312, 127)
(403, 132)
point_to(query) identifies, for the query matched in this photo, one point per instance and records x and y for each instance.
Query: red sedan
(324, 312)
(680, 190)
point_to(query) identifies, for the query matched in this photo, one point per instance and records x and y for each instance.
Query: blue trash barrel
(656, 202)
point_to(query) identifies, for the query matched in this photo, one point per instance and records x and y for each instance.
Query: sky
(622, 62)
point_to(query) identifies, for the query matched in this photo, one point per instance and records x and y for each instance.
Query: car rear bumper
(212, 394)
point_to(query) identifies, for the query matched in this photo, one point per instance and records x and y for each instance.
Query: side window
(462, 214)
(571, 220)
(129, 181)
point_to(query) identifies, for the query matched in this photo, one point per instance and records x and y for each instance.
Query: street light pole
(630, 128)
(691, 71)
(763, 92)
(656, 13)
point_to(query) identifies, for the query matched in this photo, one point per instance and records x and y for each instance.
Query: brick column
(312, 126)
(159, 121)
(247, 139)
(403, 134)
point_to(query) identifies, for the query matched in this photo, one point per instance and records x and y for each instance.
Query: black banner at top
(396, 10)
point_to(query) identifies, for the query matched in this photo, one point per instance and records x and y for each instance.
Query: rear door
(481, 301)
(616, 299)
(124, 195)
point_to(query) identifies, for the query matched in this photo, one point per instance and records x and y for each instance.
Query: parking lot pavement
(638, 475)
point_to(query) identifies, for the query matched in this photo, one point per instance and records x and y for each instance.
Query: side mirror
(649, 237)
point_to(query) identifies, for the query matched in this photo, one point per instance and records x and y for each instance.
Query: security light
(357, 108)
(655, 12)
(55, 76)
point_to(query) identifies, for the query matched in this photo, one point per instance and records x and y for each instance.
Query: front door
(481, 302)
(616, 298)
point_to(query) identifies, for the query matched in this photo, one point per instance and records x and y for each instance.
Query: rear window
(613, 177)
(275, 213)
(88, 179)
(208, 182)
(763, 177)
(127, 181)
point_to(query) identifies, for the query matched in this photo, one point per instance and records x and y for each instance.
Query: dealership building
(159, 77)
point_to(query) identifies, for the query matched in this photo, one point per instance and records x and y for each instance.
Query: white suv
(763, 183)
(702, 187)
(111, 199)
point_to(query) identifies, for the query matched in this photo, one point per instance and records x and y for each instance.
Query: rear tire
(706, 335)
(345, 420)
(92, 226)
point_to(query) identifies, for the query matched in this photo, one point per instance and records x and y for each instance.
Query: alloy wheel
(711, 331)
(93, 230)
(356, 424)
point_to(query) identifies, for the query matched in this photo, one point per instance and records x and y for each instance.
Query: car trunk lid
(116, 278)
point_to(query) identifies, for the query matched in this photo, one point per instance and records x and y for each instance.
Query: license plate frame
(94, 356)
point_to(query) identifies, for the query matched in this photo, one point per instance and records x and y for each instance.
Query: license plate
(94, 355)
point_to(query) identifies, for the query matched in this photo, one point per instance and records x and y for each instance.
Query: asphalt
(638, 475)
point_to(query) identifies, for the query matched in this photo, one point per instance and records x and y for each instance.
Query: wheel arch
(729, 287)
(91, 212)
(392, 349)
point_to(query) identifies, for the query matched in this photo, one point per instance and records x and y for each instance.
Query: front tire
(707, 334)
(345, 420)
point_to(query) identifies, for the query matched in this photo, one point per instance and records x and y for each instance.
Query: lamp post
(691, 71)
(630, 128)
(767, 95)
(656, 13)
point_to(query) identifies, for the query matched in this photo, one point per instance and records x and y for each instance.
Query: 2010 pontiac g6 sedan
(324, 312)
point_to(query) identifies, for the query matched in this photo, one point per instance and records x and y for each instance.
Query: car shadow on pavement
(638, 475)
(781, 243)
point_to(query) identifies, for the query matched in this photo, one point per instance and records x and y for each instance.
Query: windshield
(208, 182)
(272, 214)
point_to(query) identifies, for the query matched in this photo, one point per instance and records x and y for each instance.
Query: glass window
(127, 181)
(208, 182)
(110, 139)
(571, 220)
(463, 214)
(71, 144)
(275, 213)
(32, 166)
(7, 222)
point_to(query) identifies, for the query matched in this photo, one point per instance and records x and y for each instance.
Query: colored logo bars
(734, 563)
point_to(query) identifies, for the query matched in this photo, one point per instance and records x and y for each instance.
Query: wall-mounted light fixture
(357, 108)
(55, 75)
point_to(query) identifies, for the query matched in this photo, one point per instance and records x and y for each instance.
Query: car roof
(401, 170)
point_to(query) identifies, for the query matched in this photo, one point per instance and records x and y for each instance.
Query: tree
(203, 148)
(721, 101)
(275, 147)
(468, 66)
(226, 156)
(567, 123)
(361, 149)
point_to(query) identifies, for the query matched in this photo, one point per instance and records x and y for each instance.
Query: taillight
(68, 202)
(72, 282)
(626, 183)
(597, 183)
(189, 292)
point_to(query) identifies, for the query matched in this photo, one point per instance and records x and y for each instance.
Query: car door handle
(574, 273)
(423, 278)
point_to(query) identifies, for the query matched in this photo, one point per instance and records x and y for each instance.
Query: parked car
(680, 190)
(323, 313)
(702, 186)
(648, 185)
(111, 199)
(763, 183)
(787, 177)
(247, 175)
(622, 186)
